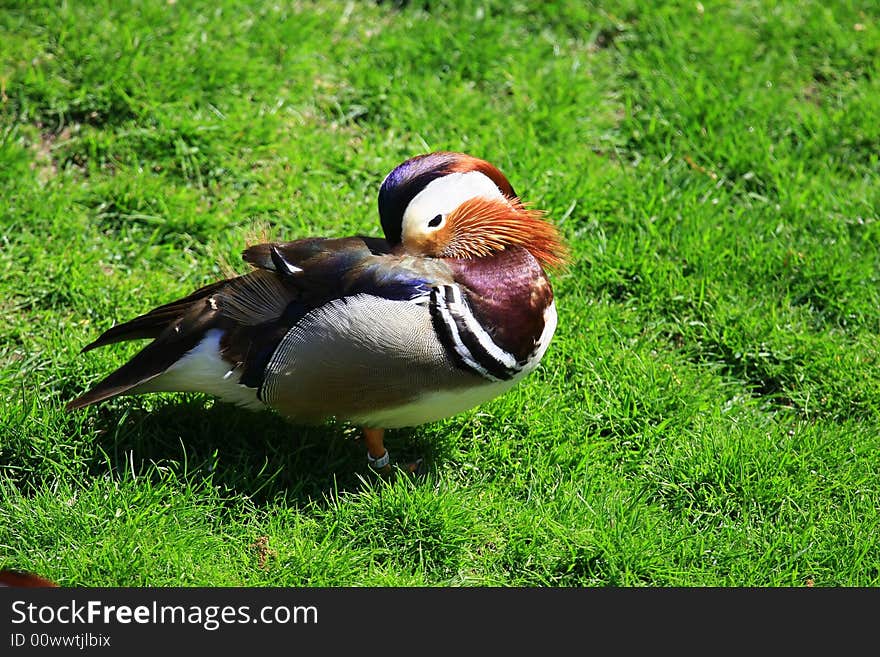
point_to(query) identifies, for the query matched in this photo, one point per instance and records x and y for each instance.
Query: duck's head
(453, 205)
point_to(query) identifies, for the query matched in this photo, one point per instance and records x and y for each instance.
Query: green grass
(709, 410)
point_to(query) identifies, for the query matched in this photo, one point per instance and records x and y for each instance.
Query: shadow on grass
(257, 454)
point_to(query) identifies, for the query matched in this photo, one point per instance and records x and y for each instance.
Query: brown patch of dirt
(44, 162)
(264, 552)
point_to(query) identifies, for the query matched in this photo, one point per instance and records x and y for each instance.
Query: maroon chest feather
(508, 293)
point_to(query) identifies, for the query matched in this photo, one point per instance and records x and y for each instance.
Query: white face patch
(440, 197)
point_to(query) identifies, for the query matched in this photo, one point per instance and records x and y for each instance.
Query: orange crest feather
(481, 226)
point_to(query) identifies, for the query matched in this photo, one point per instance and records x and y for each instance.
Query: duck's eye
(435, 221)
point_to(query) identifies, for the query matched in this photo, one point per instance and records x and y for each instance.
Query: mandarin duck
(449, 311)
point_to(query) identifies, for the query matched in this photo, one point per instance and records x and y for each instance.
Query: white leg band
(379, 463)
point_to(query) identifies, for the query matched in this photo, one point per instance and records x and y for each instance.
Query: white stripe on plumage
(460, 348)
(504, 358)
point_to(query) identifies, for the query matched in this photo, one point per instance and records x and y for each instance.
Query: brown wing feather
(151, 324)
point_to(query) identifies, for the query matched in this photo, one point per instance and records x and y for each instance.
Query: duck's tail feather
(176, 327)
(153, 323)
